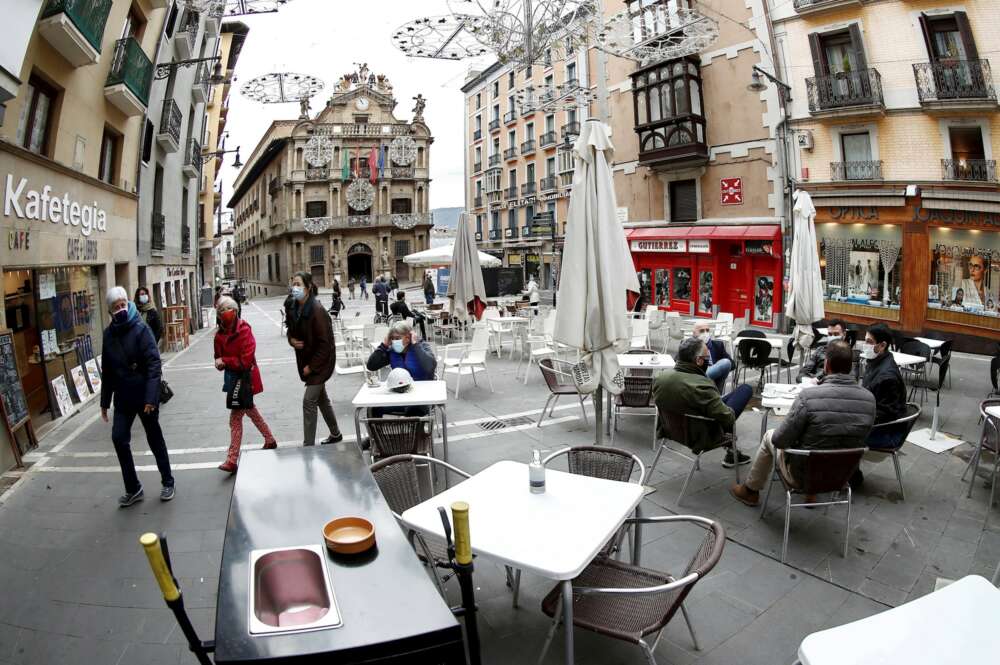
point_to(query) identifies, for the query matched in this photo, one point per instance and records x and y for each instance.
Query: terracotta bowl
(349, 535)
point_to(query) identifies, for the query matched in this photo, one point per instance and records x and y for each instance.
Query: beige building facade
(897, 131)
(344, 194)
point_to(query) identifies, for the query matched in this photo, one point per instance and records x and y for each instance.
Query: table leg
(567, 596)
(598, 416)
(763, 423)
(444, 439)
(357, 428)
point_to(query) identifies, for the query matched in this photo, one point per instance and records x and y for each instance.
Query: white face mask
(143, 299)
(705, 337)
(868, 351)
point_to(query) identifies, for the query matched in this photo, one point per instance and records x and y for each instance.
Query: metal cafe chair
(816, 472)
(900, 429)
(989, 440)
(627, 602)
(679, 427)
(559, 380)
(634, 400)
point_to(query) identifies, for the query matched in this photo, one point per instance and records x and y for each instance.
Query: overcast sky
(324, 38)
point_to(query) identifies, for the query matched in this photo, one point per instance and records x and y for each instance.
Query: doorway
(359, 261)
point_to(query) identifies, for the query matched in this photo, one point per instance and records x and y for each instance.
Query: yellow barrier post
(463, 571)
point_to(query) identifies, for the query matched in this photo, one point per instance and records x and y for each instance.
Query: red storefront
(708, 269)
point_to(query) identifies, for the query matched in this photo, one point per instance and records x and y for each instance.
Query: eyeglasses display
(861, 269)
(964, 271)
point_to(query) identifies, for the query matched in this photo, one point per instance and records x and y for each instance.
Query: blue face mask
(298, 292)
(397, 345)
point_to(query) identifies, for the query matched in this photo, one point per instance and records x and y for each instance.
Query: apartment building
(75, 80)
(895, 114)
(344, 194)
(210, 223)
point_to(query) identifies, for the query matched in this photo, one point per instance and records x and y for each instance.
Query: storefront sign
(759, 247)
(622, 214)
(175, 271)
(24, 203)
(659, 245)
(19, 240)
(732, 191)
(859, 213)
(962, 217)
(80, 249)
(699, 246)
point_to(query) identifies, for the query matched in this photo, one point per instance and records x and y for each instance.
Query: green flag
(345, 171)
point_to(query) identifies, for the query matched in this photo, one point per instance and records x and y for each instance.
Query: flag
(372, 165)
(357, 163)
(345, 169)
(381, 162)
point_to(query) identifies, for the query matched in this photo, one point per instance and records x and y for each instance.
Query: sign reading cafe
(24, 203)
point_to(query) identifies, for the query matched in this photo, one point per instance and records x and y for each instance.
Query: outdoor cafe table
(778, 397)
(429, 393)
(554, 535)
(934, 344)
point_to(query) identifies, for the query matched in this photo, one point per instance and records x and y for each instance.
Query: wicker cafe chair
(678, 425)
(631, 603)
(634, 400)
(396, 477)
(400, 436)
(900, 429)
(559, 380)
(816, 472)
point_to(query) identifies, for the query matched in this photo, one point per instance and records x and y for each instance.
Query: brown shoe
(270, 445)
(228, 467)
(745, 495)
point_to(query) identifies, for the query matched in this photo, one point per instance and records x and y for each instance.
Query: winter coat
(417, 358)
(311, 324)
(130, 366)
(815, 364)
(429, 289)
(837, 413)
(380, 290)
(717, 349)
(237, 350)
(883, 379)
(686, 390)
(151, 317)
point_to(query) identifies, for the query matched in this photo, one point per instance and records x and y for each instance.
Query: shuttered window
(683, 201)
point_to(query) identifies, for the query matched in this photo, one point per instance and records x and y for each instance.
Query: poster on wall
(965, 272)
(705, 284)
(863, 275)
(61, 392)
(682, 284)
(94, 376)
(662, 287)
(645, 285)
(80, 383)
(46, 286)
(763, 299)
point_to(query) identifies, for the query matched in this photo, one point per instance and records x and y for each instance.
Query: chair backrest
(820, 471)
(915, 347)
(396, 477)
(640, 328)
(480, 339)
(899, 428)
(753, 352)
(600, 462)
(491, 313)
(397, 436)
(637, 391)
(750, 332)
(945, 349)
(557, 373)
(379, 333)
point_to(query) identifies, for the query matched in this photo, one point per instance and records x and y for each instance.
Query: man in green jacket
(687, 390)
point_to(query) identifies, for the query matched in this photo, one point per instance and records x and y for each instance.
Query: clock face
(361, 103)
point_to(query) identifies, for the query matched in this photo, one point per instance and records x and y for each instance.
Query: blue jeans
(738, 399)
(429, 298)
(719, 371)
(121, 436)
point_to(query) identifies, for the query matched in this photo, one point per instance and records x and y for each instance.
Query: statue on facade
(362, 74)
(419, 106)
(345, 83)
(382, 83)
(335, 262)
(304, 108)
(385, 260)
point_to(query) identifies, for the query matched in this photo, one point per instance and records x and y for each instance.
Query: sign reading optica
(24, 203)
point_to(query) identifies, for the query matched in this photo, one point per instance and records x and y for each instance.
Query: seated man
(719, 363)
(884, 380)
(837, 413)
(401, 309)
(688, 390)
(815, 364)
(400, 349)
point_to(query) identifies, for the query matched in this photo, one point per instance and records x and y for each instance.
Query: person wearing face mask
(815, 365)
(130, 379)
(401, 349)
(687, 390)
(884, 380)
(235, 353)
(310, 333)
(147, 310)
(720, 364)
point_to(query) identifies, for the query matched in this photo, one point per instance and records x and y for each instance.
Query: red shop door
(736, 288)
(705, 285)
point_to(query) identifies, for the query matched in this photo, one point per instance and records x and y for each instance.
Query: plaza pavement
(76, 587)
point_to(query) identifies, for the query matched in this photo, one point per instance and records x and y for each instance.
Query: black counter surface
(390, 608)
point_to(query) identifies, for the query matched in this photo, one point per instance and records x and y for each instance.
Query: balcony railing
(131, 67)
(975, 170)
(956, 81)
(88, 16)
(170, 121)
(571, 129)
(494, 124)
(192, 159)
(528, 147)
(510, 153)
(509, 117)
(806, 6)
(528, 188)
(548, 183)
(477, 167)
(402, 172)
(478, 201)
(476, 135)
(865, 170)
(317, 174)
(510, 192)
(548, 138)
(185, 239)
(494, 234)
(862, 88)
(158, 237)
(399, 220)
(200, 87)
(495, 159)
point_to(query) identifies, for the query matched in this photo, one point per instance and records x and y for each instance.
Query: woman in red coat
(235, 349)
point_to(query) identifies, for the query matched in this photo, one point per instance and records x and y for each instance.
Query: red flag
(357, 163)
(373, 165)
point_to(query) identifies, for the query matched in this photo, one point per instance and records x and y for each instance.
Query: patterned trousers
(236, 431)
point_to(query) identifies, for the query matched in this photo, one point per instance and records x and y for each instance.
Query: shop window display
(682, 284)
(645, 285)
(964, 271)
(861, 270)
(706, 280)
(662, 287)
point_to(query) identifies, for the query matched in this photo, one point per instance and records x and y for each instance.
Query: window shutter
(925, 27)
(683, 201)
(858, 46)
(819, 59)
(964, 29)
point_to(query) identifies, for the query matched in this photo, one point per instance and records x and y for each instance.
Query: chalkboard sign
(510, 282)
(15, 404)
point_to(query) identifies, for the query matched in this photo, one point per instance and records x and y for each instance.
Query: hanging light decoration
(281, 87)
(403, 150)
(549, 99)
(317, 225)
(319, 151)
(445, 37)
(235, 7)
(649, 31)
(360, 195)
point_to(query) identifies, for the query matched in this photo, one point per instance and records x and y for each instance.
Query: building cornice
(17, 151)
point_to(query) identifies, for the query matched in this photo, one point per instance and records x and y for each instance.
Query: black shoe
(167, 493)
(332, 439)
(857, 480)
(126, 500)
(728, 460)
(366, 443)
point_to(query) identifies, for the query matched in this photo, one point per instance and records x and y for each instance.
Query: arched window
(669, 111)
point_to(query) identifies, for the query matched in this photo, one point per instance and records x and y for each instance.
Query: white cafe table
(956, 625)
(429, 393)
(934, 344)
(645, 361)
(778, 397)
(554, 535)
(906, 359)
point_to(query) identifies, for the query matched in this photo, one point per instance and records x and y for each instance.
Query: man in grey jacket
(837, 413)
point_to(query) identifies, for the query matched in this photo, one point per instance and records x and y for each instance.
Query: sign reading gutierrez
(25, 203)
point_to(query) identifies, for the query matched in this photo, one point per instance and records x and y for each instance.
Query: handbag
(166, 392)
(240, 393)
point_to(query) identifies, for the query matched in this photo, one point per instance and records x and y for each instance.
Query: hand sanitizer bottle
(536, 473)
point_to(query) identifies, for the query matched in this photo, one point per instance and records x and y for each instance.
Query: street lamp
(209, 156)
(757, 85)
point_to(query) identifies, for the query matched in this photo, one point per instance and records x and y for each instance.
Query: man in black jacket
(401, 309)
(884, 380)
(720, 364)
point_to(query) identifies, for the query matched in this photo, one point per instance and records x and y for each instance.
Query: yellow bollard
(151, 544)
(463, 540)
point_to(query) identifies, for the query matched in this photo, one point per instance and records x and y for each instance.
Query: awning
(748, 232)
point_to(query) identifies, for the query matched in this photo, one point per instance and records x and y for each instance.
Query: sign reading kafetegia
(22, 202)
(732, 191)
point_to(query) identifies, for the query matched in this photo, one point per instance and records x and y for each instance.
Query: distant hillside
(447, 217)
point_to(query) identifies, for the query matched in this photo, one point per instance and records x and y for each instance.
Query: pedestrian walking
(147, 310)
(337, 303)
(131, 376)
(364, 287)
(533, 294)
(381, 292)
(393, 283)
(429, 289)
(351, 287)
(235, 356)
(310, 332)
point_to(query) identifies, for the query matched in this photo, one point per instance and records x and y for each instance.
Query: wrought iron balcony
(958, 83)
(75, 28)
(200, 87)
(510, 232)
(317, 174)
(510, 153)
(274, 186)
(131, 75)
(973, 170)
(185, 239)
(192, 159)
(866, 170)
(477, 167)
(495, 125)
(572, 82)
(810, 6)
(495, 159)
(168, 134)
(186, 34)
(478, 201)
(571, 129)
(510, 192)
(509, 117)
(403, 221)
(528, 147)
(477, 135)
(528, 188)
(494, 234)
(402, 172)
(549, 183)
(856, 92)
(158, 236)
(547, 139)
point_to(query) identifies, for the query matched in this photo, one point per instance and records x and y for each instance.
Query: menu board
(15, 405)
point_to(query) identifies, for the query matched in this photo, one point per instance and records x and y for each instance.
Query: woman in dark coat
(147, 310)
(131, 376)
(235, 353)
(310, 333)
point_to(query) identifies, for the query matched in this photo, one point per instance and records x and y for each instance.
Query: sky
(324, 38)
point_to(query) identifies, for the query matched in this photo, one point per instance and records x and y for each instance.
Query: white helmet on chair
(399, 380)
